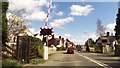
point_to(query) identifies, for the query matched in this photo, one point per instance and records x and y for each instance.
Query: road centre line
(95, 61)
(71, 62)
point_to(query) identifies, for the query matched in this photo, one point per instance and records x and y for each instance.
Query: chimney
(53, 36)
(111, 34)
(62, 38)
(108, 34)
(59, 37)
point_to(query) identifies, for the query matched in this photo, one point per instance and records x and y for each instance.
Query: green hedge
(34, 41)
(40, 51)
(61, 48)
(117, 50)
(36, 45)
(8, 63)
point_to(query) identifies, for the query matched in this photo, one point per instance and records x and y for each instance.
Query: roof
(110, 38)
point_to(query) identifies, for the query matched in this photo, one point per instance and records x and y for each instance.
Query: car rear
(70, 50)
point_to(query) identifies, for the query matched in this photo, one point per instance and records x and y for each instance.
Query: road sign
(46, 31)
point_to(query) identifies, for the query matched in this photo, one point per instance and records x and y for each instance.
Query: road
(82, 60)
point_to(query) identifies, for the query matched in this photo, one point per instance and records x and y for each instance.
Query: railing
(8, 52)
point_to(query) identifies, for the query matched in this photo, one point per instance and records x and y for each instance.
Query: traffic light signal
(45, 31)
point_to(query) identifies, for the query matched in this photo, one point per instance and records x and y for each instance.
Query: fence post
(45, 52)
(17, 49)
(28, 49)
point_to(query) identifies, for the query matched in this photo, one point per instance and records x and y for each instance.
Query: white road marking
(95, 61)
(71, 62)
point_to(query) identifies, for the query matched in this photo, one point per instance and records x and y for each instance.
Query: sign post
(45, 32)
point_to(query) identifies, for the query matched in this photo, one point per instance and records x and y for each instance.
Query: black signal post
(45, 32)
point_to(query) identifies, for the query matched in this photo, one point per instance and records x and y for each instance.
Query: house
(59, 42)
(10, 48)
(90, 45)
(104, 43)
(53, 41)
(69, 43)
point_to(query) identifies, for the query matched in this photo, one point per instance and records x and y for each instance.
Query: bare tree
(100, 28)
(15, 25)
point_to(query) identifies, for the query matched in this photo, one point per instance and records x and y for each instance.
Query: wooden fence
(23, 51)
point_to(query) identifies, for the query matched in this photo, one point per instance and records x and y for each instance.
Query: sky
(75, 21)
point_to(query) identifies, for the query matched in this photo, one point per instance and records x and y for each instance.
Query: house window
(104, 41)
(14, 39)
(57, 42)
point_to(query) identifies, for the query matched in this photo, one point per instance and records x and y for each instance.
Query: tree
(100, 28)
(15, 24)
(117, 27)
(4, 22)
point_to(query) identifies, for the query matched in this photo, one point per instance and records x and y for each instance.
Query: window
(104, 41)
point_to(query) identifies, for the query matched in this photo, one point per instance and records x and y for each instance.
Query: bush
(61, 48)
(40, 51)
(34, 41)
(8, 63)
(117, 50)
(36, 45)
(118, 41)
(37, 61)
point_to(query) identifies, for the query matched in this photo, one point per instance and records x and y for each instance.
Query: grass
(37, 61)
(9, 63)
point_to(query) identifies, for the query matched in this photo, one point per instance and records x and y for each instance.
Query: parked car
(70, 50)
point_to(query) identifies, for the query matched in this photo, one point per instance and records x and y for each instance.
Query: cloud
(77, 10)
(54, 6)
(59, 23)
(26, 4)
(85, 37)
(75, 41)
(36, 15)
(110, 27)
(60, 13)
(81, 39)
(67, 35)
(32, 9)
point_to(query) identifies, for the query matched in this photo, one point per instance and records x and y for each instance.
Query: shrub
(61, 48)
(40, 51)
(36, 45)
(8, 63)
(118, 41)
(37, 61)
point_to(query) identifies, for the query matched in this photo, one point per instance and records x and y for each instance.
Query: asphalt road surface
(82, 60)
